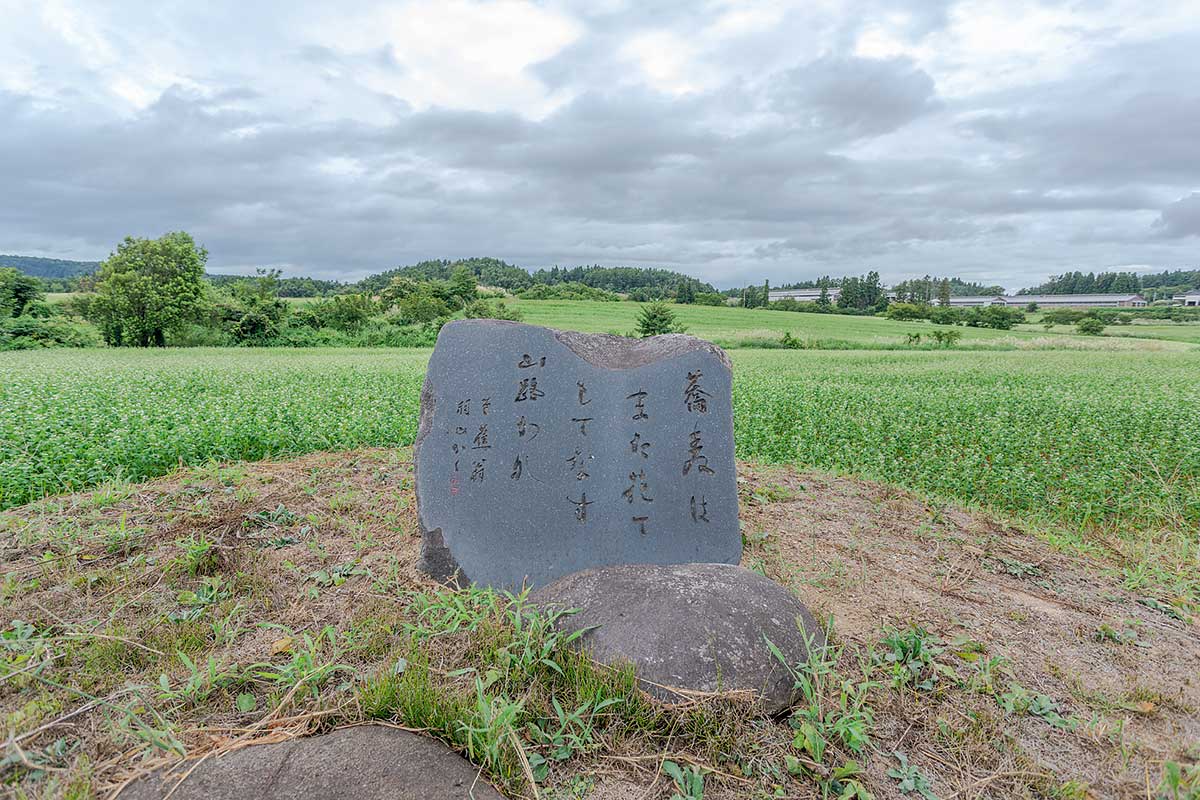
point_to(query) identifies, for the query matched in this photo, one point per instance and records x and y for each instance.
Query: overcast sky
(735, 141)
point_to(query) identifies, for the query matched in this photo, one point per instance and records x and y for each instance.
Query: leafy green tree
(941, 315)
(944, 293)
(905, 312)
(18, 292)
(1090, 326)
(462, 288)
(149, 288)
(254, 314)
(823, 297)
(852, 295)
(396, 290)
(656, 319)
(422, 307)
(348, 312)
(1000, 318)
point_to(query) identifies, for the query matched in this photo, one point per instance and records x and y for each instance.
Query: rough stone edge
(602, 350)
(436, 559)
(608, 351)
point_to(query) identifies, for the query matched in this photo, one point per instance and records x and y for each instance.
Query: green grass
(70, 419)
(1188, 332)
(1067, 438)
(729, 326)
(1072, 438)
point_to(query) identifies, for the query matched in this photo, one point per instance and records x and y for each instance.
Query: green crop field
(1070, 438)
(736, 327)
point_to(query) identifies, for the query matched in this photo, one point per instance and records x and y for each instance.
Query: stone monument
(542, 452)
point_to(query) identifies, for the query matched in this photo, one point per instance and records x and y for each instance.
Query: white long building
(1078, 300)
(1016, 300)
(1054, 300)
(803, 295)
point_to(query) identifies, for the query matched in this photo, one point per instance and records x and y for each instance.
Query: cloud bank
(734, 141)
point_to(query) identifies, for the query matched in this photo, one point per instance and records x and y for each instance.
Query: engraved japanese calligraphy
(545, 452)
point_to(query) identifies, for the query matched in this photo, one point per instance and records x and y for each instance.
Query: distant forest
(925, 288)
(289, 287)
(52, 268)
(655, 283)
(642, 283)
(1155, 285)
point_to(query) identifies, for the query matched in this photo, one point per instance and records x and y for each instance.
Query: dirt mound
(999, 666)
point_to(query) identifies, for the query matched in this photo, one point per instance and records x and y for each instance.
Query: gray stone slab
(699, 627)
(542, 452)
(369, 762)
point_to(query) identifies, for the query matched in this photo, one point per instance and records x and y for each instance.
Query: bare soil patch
(873, 557)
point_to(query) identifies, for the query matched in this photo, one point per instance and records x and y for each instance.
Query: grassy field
(1075, 438)
(1170, 332)
(71, 419)
(731, 327)
(232, 601)
(735, 327)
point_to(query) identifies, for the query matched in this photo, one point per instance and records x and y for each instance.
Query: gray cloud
(851, 98)
(793, 155)
(1181, 218)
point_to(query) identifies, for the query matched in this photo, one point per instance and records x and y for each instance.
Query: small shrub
(657, 319)
(482, 309)
(32, 333)
(911, 657)
(907, 312)
(997, 317)
(689, 782)
(1090, 326)
(946, 316)
(1062, 316)
(911, 778)
(568, 291)
(946, 338)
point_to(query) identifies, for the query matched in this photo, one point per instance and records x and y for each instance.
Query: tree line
(157, 293)
(863, 294)
(638, 283)
(1155, 286)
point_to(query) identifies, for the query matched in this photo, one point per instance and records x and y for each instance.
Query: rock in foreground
(696, 627)
(370, 762)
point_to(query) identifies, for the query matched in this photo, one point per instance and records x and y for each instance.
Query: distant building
(1188, 299)
(1017, 300)
(978, 300)
(1078, 300)
(804, 295)
(1054, 300)
(811, 295)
